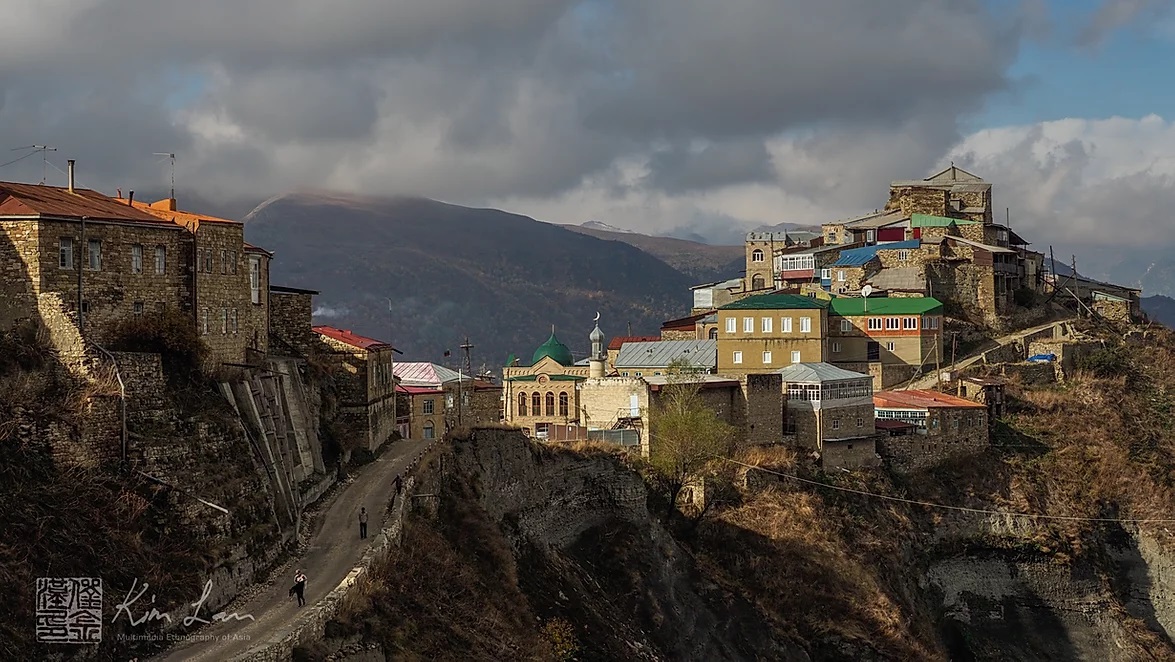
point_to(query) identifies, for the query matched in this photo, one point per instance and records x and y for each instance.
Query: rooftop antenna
(865, 292)
(170, 155)
(467, 347)
(43, 149)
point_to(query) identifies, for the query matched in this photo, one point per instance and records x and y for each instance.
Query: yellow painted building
(542, 395)
(767, 332)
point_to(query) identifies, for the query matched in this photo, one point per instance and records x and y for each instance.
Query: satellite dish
(597, 316)
(866, 290)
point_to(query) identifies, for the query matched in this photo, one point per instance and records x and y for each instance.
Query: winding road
(332, 551)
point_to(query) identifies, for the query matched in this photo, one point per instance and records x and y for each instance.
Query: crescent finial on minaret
(597, 316)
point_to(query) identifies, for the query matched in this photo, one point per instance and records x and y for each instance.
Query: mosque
(542, 397)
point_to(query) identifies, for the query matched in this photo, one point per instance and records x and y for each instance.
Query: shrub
(171, 334)
(1024, 297)
(1103, 363)
(559, 634)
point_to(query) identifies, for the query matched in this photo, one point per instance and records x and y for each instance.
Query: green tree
(686, 435)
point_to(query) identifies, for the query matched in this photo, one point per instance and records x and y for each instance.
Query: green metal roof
(775, 301)
(928, 221)
(554, 349)
(554, 378)
(855, 306)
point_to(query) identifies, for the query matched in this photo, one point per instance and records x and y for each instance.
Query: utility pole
(954, 349)
(170, 155)
(465, 347)
(1076, 285)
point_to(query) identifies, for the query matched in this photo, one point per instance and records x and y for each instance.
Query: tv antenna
(866, 290)
(43, 149)
(467, 347)
(170, 155)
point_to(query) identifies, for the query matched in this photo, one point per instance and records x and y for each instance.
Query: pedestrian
(299, 587)
(399, 484)
(362, 523)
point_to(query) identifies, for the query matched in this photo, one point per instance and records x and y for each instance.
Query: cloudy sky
(653, 115)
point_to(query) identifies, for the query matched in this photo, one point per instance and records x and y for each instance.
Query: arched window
(522, 404)
(563, 404)
(756, 255)
(429, 430)
(757, 283)
(536, 404)
(714, 333)
(550, 404)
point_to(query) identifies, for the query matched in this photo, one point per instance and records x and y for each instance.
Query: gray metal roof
(658, 354)
(900, 278)
(877, 221)
(812, 373)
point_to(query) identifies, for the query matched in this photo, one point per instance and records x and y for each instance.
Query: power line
(3, 165)
(977, 511)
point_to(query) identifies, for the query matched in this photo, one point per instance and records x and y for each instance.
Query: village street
(333, 550)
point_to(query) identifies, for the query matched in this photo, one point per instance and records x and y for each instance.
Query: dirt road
(332, 551)
(929, 381)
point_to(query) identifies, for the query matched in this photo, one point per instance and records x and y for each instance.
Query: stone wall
(670, 334)
(290, 320)
(906, 453)
(601, 400)
(256, 317)
(224, 308)
(850, 454)
(764, 397)
(919, 200)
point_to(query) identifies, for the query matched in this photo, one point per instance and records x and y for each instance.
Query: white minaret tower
(599, 357)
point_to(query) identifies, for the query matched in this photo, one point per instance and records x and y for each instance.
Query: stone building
(889, 338)
(829, 410)
(942, 426)
(696, 326)
(709, 296)
(543, 393)
(762, 333)
(367, 387)
(460, 400)
(291, 330)
(426, 411)
(989, 391)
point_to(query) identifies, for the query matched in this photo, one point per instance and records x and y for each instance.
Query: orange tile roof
(166, 210)
(922, 399)
(349, 338)
(53, 201)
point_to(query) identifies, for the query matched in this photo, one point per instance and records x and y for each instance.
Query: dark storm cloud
(1114, 14)
(679, 168)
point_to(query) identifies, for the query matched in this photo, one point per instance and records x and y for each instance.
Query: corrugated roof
(698, 353)
(554, 378)
(415, 390)
(657, 382)
(424, 373)
(618, 341)
(908, 279)
(856, 257)
(856, 306)
(682, 322)
(38, 200)
(347, 337)
(774, 301)
(976, 244)
(166, 210)
(818, 372)
(921, 399)
(877, 221)
(928, 221)
(722, 284)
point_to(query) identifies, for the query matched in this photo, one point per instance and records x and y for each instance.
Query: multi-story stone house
(701, 326)
(542, 396)
(367, 388)
(458, 400)
(830, 411)
(765, 332)
(761, 248)
(933, 426)
(889, 338)
(291, 312)
(709, 296)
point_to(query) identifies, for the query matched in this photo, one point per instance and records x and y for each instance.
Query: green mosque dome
(554, 349)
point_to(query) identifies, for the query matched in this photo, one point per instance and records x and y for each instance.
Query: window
(766, 325)
(232, 256)
(795, 357)
(860, 423)
(836, 348)
(930, 323)
(208, 261)
(160, 260)
(563, 404)
(846, 326)
(748, 325)
(756, 255)
(892, 323)
(138, 309)
(903, 255)
(429, 431)
(65, 252)
(85, 307)
(522, 404)
(758, 282)
(224, 321)
(428, 406)
(874, 323)
(826, 274)
(536, 404)
(840, 275)
(766, 358)
(836, 424)
(137, 258)
(910, 323)
(797, 263)
(870, 236)
(738, 358)
(204, 321)
(550, 403)
(831, 238)
(95, 253)
(731, 325)
(889, 346)
(223, 261)
(232, 318)
(805, 325)
(714, 333)
(255, 278)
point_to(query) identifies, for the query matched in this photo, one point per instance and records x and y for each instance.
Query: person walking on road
(399, 484)
(362, 523)
(299, 587)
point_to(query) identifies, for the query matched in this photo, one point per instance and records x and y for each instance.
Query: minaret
(598, 358)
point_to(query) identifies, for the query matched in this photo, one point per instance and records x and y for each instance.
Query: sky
(703, 116)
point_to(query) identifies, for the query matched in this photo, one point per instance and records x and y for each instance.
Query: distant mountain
(450, 271)
(1161, 309)
(703, 263)
(604, 227)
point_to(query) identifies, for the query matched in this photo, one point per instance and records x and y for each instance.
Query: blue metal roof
(855, 257)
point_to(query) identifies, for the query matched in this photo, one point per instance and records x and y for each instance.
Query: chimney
(69, 169)
(130, 200)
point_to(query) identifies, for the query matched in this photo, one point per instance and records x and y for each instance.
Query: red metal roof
(352, 339)
(890, 424)
(683, 322)
(38, 200)
(615, 343)
(921, 399)
(416, 390)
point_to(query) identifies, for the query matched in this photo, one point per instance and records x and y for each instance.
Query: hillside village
(841, 344)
